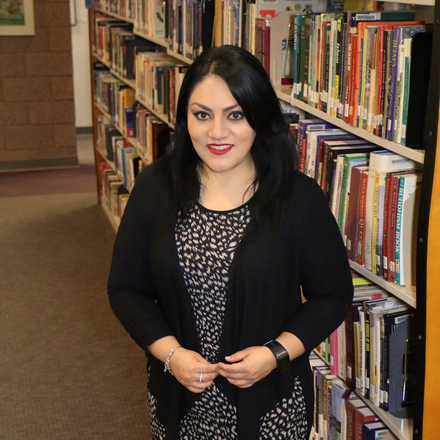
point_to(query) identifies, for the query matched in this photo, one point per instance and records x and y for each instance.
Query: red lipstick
(219, 149)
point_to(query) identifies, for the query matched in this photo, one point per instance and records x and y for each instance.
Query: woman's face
(218, 128)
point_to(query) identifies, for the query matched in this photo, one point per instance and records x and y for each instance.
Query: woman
(216, 243)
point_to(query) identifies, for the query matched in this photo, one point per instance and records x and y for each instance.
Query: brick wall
(37, 117)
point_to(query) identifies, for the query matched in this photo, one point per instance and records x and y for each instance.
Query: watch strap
(281, 355)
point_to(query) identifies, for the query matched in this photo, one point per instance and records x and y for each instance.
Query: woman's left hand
(248, 366)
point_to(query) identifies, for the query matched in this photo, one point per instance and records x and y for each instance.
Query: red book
(392, 231)
(361, 218)
(352, 105)
(352, 224)
(362, 416)
(387, 225)
(350, 408)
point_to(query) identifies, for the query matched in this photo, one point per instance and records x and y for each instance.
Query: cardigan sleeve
(131, 287)
(324, 274)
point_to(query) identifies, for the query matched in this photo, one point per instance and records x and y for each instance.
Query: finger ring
(200, 377)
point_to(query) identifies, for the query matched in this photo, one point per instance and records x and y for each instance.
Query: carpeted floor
(68, 370)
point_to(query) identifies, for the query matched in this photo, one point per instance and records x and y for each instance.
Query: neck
(225, 191)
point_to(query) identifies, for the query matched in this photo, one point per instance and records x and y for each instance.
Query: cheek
(194, 129)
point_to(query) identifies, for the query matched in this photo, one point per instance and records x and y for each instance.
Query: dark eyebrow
(204, 107)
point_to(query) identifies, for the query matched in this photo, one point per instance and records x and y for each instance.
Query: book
(339, 394)
(400, 359)
(418, 90)
(374, 430)
(351, 405)
(361, 217)
(404, 221)
(350, 161)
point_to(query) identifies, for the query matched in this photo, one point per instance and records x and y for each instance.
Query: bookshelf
(425, 299)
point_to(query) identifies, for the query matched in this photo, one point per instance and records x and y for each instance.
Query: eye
(201, 116)
(236, 116)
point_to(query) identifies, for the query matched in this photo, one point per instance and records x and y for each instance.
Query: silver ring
(200, 377)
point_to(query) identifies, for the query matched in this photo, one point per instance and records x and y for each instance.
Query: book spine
(387, 226)
(393, 85)
(400, 200)
(361, 221)
(394, 207)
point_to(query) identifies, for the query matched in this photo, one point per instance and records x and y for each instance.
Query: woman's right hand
(192, 370)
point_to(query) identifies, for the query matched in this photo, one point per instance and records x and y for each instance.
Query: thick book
(351, 406)
(418, 90)
(408, 184)
(401, 354)
(361, 215)
(339, 395)
(374, 431)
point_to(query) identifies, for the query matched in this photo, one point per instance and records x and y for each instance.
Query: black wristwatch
(281, 355)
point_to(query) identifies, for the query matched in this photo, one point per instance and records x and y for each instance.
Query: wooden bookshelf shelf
(163, 118)
(158, 41)
(402, 428)
(179, 57)
(112, 14)
(106, 63)
(401, 292)
(115, 221)
(415, 155)
(132, 141)
(130, 82)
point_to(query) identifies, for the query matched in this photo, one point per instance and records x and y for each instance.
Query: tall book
(408, 185)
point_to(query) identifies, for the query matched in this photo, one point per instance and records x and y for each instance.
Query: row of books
(113, 192)
(124, 8)
(339, 414)
(369, 69)
(373, 350)
(373, 194)
(189, 26)
(157, 76)
(116, 99)
(121, 156)
(158, 81)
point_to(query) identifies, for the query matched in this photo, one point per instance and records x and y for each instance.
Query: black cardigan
(148, 295)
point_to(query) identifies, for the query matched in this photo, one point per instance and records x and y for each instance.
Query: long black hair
(273, 151)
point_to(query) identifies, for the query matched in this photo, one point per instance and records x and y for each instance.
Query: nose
(218, 129)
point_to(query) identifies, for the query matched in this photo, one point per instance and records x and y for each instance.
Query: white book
(405, 232)
(380, 161)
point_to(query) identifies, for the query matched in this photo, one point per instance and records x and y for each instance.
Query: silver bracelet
(166, 365)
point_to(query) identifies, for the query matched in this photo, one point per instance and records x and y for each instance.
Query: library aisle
(68, 370)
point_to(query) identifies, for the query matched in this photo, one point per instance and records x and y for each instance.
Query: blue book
(374, 431)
